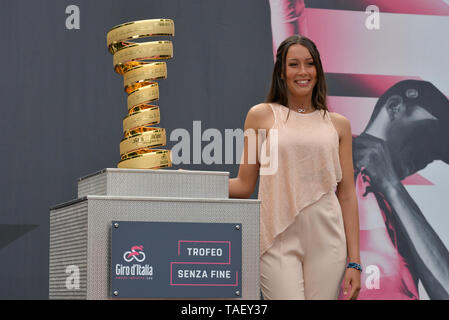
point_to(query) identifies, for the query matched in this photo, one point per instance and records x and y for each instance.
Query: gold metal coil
(154, 50)
(144, 73)
(143, 95)
(132, 59)
(142, 137)
(141, 117)
(120, 36)
(146, 159)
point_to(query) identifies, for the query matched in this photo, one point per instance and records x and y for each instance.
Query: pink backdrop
(364, 53)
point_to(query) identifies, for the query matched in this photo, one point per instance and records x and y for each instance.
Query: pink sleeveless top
(308, 167)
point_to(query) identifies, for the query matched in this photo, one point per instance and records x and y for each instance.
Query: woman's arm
(243, 185)
(348, 201)
(346, 191)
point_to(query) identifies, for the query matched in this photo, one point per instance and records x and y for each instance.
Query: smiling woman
(300, 76)
(298, 79)
(307, 229)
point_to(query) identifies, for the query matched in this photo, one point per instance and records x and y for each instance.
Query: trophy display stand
(80, 230)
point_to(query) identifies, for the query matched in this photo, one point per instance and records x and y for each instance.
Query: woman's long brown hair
(278, 88)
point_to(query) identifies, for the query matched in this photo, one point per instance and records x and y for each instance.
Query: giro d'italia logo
(136, 271)
(136, 254)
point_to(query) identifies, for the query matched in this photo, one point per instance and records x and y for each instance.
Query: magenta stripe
(422, 7)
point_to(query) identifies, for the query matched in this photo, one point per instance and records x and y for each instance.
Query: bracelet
(354, 266)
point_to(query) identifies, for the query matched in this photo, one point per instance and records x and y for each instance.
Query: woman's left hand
(352, 282)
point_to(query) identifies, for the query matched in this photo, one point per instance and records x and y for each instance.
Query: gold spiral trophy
(133, 61)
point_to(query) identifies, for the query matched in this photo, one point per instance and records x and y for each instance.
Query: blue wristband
(355, 266)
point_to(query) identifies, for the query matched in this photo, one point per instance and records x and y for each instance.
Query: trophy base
(80, 230)
(155, 183)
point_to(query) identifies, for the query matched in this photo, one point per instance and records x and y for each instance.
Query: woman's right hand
(258, 117)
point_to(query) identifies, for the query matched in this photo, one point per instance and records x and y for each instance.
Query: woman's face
(300, 71)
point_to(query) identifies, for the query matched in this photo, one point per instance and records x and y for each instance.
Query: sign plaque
(176, 260)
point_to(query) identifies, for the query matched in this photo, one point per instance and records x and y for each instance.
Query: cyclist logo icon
(136, 253)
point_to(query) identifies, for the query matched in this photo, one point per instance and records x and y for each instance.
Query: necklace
(303, 110)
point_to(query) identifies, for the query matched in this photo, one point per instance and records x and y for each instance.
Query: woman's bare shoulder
(341, 123)
(337, 117)
(261, 109)
(260, 116)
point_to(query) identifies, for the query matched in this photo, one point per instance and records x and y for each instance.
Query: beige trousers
(308, 260)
